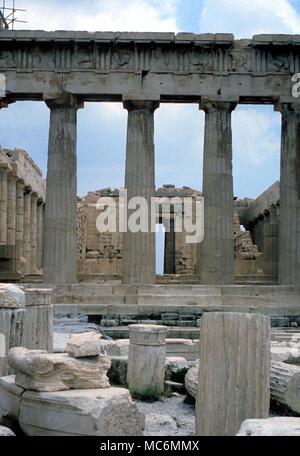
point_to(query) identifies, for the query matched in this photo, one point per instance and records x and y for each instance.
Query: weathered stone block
(84, 345)
(271, 427)
(40, 371)
(234, 372)
(285, 384)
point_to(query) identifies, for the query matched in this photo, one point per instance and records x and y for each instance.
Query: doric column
(217, 249)
(3, 202)
(20, 225)
(11, 209)
(40, 211)
(33, 234)
(27, 230)
(289, 234)
(60, 250)
(139, 248)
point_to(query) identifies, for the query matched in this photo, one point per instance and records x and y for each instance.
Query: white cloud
(255, 136)
(245, 18)
(115, 15)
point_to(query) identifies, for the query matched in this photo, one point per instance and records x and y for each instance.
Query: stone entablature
(183, 66)
(22, 200)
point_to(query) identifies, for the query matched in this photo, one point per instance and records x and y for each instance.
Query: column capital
(211, 105)
(133, 102)
(63, 100)
(20, 184)
(287, 106)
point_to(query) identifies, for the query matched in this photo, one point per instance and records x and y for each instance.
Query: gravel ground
(168, 417)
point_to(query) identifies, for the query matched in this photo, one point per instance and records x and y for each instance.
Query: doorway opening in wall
(160, 234)
(101, 173)
(179, 133)
(256, 172)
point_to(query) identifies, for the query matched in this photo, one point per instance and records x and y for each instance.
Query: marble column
(33, 234)
(11, 221)
(139, 247)
(60, 249)
(20, 225)
(40, 211)
(289, 220)
(27, 230)
(217, 249)
(234, 372)
(3, 203)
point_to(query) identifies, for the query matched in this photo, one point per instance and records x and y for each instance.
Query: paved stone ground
(168, 417)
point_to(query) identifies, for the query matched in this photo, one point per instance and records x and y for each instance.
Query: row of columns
(21, 224)
(216, 265)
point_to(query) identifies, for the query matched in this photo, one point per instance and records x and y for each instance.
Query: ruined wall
(101, 253)
(22, 199)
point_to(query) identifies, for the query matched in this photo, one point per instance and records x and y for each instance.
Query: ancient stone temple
(22, 202)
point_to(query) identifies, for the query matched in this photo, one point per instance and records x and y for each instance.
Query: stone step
(122, 332)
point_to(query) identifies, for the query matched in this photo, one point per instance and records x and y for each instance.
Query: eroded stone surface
(5, 432)
(40, 371)
(97, 412)
(84, 345)
(273, 427)
(11, 296)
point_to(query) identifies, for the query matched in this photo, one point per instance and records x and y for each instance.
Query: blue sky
(178, 128)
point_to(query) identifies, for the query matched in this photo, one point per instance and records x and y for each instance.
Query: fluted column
(217, 249)
(27, 230)
(3, 203)
(33, 234)
(40, 211)
(139, 248)
(234, 372)
(60, 250)
(20, 225)
(11, 221)
(289, 219)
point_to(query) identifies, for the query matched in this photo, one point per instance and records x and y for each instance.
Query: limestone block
(234, 372)
(146, 360)
(98, 412)
(119, 348)
(5, 432)
(275, 427)
(10, 398)
(12, 322)
(40, 371)
(285, 384)
(11, 297)
(290, 355)
(191, 381)
(38, 333)
(84, 345)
